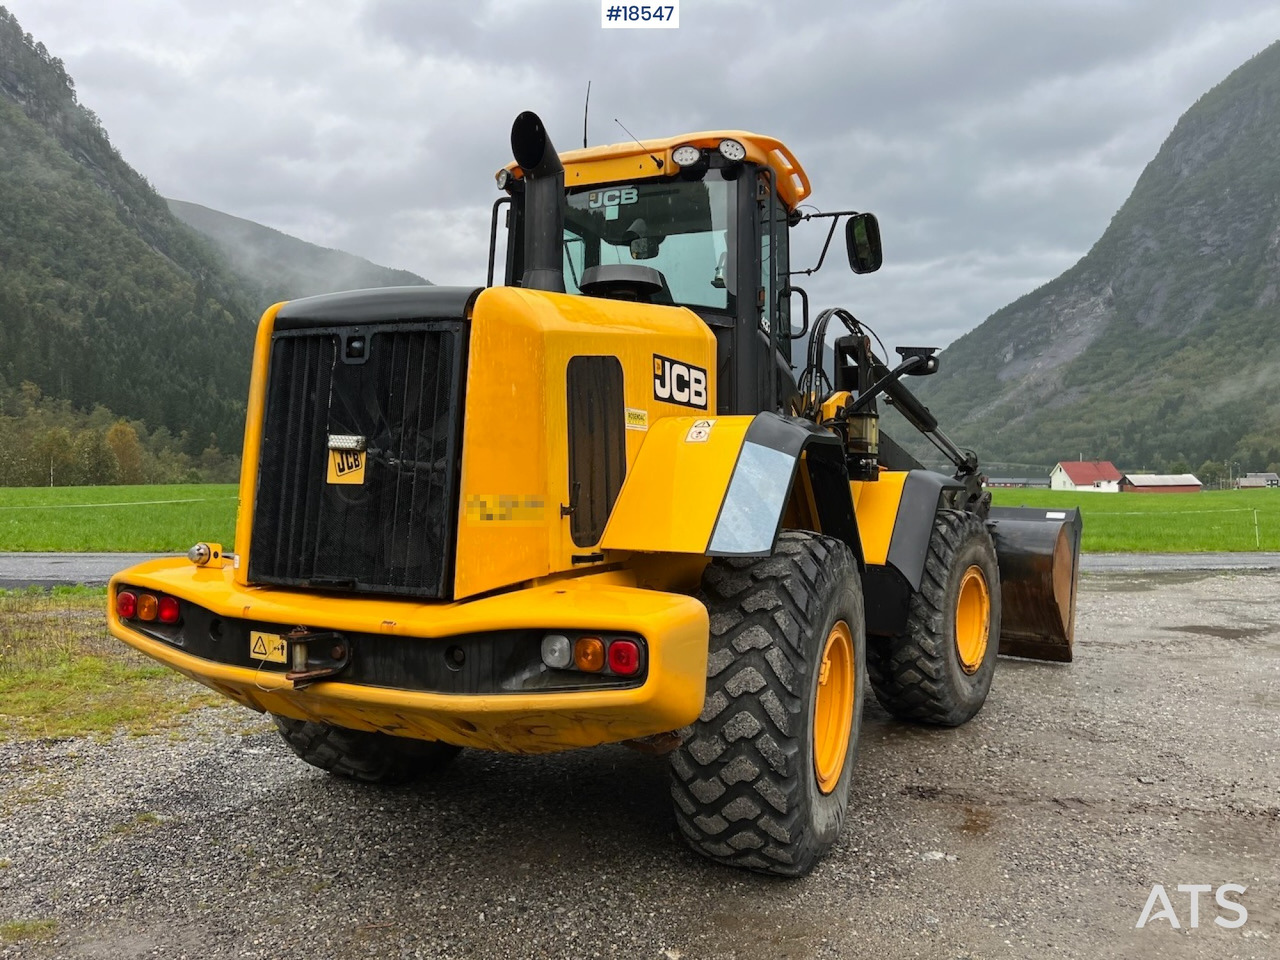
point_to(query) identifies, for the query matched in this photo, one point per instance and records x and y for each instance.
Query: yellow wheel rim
(833, 707)
(973, 619)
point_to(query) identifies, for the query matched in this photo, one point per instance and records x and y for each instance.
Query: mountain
(105, 297)
(284, 267)
(117, 303)
(1161, 345)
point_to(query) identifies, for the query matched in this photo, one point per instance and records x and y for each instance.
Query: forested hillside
(105, 298)
(1160, 348)
(125, 334)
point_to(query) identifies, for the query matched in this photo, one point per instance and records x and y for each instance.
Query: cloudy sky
(993, 138)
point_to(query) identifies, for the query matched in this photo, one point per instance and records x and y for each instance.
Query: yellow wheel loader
(607, 502)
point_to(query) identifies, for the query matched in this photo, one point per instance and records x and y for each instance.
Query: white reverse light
(686, 156)
(732, 151)
(557, 652)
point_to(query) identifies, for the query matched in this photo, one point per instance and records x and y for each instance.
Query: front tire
(762, 778)
(361, 755)
(940, 670)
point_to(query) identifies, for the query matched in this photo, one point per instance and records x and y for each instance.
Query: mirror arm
(835, 216)
(826, 246)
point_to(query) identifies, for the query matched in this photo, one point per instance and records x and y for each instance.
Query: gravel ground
(1037, 830)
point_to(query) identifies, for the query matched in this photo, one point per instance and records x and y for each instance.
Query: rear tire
(940, 670)
(753, 784)
(361, 755)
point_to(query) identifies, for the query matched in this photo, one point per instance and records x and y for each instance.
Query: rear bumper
(674, 628)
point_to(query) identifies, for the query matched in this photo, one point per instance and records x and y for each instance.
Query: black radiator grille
(397, 386)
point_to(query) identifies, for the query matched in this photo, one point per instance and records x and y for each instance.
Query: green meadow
(135, 519)
(169, 519)
(1213, 520)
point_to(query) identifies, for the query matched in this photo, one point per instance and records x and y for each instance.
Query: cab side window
(775, 264)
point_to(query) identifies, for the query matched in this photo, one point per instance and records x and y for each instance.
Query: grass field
(142, 519)
(170, 519)
(62, 675)
(1166, 522)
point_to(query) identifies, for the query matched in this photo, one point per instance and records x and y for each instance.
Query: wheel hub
(833, 707)
(973, 619)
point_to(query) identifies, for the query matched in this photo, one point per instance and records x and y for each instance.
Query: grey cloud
(994, 137)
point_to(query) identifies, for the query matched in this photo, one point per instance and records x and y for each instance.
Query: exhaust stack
(544, 204)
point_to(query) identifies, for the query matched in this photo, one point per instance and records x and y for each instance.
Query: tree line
(44, 441)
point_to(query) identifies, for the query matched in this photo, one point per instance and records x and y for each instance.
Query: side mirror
(862, 237)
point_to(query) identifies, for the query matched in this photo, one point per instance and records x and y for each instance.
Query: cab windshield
(680, 228)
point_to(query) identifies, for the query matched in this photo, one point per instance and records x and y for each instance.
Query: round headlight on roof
(732, 151)
(503, 177)
(686, 156)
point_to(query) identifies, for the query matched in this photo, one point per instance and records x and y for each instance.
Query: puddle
(1128, 582)
(1223, 633)
(977, 821)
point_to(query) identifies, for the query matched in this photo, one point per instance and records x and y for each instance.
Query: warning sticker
(267, 646)
(637, 419)
(699, 432)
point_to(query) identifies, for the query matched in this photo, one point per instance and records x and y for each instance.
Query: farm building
(1100, 476)
(1159, 483)
(1254, 480)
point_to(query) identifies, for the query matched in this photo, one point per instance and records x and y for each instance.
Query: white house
(1098, 476)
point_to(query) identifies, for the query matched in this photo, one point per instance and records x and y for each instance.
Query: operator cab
(698, 221)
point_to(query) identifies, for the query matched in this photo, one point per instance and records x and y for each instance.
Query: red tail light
(169, 611)
(624, 657)
(126, 604)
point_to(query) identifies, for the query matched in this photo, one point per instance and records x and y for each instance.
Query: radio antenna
(585, 107)
(656, 160)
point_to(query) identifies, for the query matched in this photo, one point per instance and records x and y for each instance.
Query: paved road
(1159, 562)
(1035, 831)
(60, 569)
(52, 569)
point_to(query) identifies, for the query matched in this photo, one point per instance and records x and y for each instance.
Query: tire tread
(910, 673)
(363, 756)
(735, 781)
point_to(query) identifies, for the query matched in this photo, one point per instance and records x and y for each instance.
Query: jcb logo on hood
(676, 382)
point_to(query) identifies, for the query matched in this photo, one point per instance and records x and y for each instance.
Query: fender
(720, 486)
(909, 545)
(888, 587)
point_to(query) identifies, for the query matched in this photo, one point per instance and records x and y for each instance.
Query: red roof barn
(1085, 475)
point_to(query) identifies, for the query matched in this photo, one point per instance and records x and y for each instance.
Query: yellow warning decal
(267, 646)
(637, 419)
(346, 466)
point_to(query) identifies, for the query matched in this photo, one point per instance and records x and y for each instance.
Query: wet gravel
(1037, 830)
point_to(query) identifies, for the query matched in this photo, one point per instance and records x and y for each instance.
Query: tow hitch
(316, 656)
